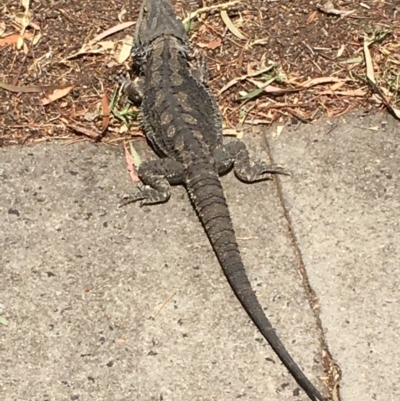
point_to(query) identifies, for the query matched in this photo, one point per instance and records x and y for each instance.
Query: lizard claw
(263, 168)
(137, 196)
(277, 169)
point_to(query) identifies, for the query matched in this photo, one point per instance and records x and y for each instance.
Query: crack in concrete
(330, 366)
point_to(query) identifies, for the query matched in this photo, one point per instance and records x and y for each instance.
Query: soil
(318, 55)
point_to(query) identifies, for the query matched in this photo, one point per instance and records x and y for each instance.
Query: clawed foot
(147, 196)
(138, 195)
(273, 169)
(259, 171)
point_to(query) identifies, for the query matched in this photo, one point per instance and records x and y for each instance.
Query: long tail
(208, 198)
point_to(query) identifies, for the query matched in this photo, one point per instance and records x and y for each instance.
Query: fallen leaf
(106, 44)
(256, 92)
(12, 39)
(259, 42)
(274, 90)
(232, 132)
(368, 60)
(279, 130)
(2, 28)
(328, 8)
(280, 105)
(25, 47)
(34, 25)
(37, 38)
(354, 60)
(258, 121)
(126, 49)
(57, 94)
(203, 10)
(321, 80)
(111, 31)
(382, 96)
(132, 161)
(122, 129)
(106, 113)
(311, 17)
(98, 48)
(214, 44)
(85, 131)
(26, 4)
(25, 22)
(244, 77)
(30, 89)
(121, 14)
(350, 93)
(229, 24)
(94, 47)
(336, 86)
(340, 51)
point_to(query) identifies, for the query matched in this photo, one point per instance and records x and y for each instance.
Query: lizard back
(176, 106)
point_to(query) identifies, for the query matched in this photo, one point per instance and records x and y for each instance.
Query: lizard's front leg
(156, 175)
(133, 89)
(236, 154)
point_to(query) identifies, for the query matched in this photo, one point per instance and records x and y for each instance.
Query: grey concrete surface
(130, 304)
(344, 205)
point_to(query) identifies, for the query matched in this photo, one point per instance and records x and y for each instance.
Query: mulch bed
(268, 61)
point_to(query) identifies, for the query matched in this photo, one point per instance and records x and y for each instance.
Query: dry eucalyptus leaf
(126, 49)
(329, 8)
(229, 24)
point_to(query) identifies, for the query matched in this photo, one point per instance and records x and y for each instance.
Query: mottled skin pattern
(183, 123)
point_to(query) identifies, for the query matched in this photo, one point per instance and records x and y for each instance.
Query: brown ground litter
(268, 60)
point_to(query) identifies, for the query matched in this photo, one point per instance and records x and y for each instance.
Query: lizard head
(157, 18)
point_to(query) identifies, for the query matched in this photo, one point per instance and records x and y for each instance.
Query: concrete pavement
(130, 304)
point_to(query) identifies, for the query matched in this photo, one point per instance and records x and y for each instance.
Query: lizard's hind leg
(236, 154)
(156, 175)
